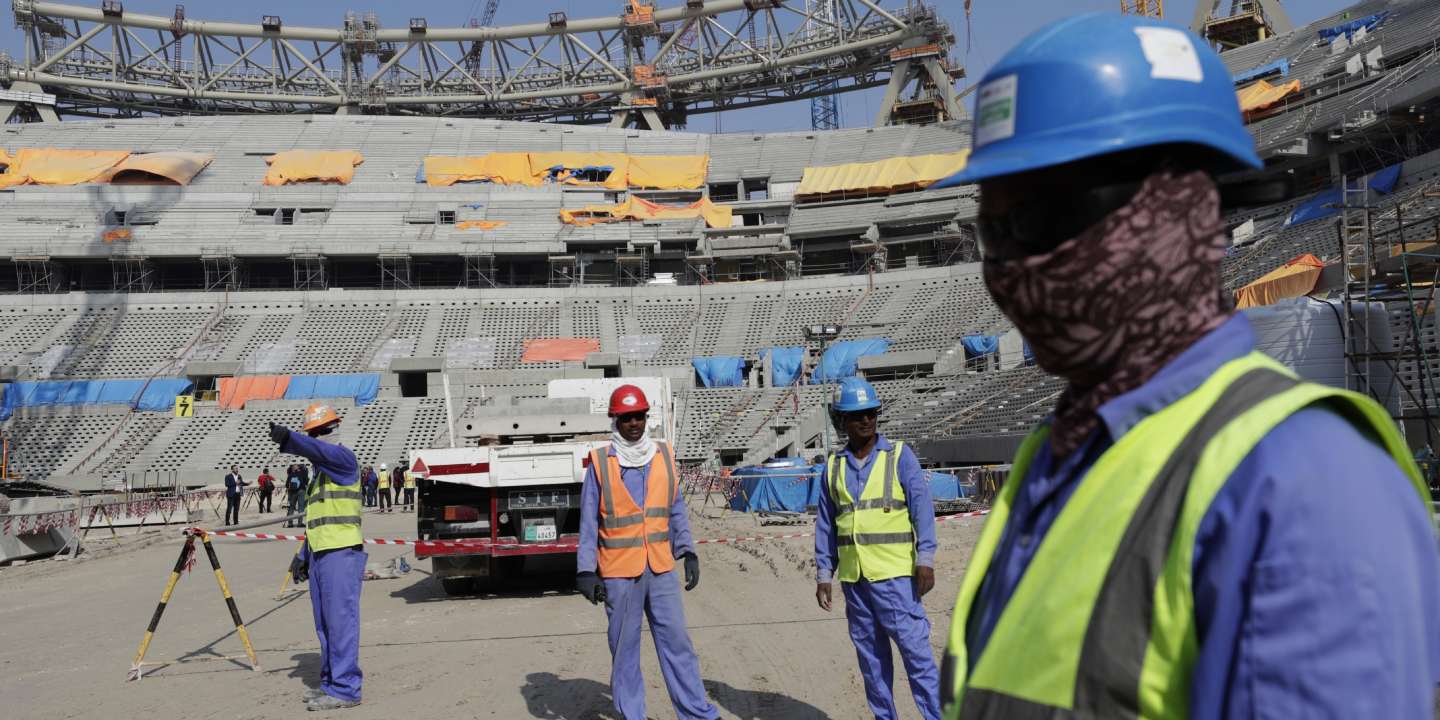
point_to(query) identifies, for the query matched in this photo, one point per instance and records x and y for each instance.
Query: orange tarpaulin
(480, 224)
(327, 166)
(634, 208)
(559, 349)
(1262, 94)
(49, 166)
(177, 167)
(501, 168)
(4, 158)
(236, 391)
(1293, 279)
(897, 173)
(660, 172)
(114, 235)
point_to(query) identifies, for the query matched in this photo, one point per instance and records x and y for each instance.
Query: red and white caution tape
(538, 546)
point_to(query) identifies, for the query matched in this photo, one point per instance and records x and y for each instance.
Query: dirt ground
(69, 629)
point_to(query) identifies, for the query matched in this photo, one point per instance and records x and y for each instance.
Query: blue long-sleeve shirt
(333, 459)
(917, 499)
(1316, 572)
(636, 483)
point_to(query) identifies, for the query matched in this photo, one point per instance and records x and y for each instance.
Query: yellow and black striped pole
(230, 601)
(285, 581)
(185, 553)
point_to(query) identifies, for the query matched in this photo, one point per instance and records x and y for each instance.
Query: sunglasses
(870, 414)
(631, 417)
(1041, 224)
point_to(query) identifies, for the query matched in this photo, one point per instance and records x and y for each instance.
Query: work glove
(692, 571)
(300, 568)
(279, 433)
(590, 585)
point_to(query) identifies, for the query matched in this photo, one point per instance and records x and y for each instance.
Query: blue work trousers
(656, 597)
(335, 577)
(887, 610)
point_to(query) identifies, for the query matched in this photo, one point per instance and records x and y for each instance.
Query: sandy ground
(69, 629)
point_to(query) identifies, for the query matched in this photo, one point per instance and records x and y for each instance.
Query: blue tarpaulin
(152, 395)
(1280, 67)
(1328, 202)
(980, 345)
(777, 487)
(841, 359)
(722, 371)
(785, 364)
(944, 486)
(1384, 181)
(363, 387)
(1348, 29)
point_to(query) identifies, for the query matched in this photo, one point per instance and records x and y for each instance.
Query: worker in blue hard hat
(1171, 541)
(875, 532)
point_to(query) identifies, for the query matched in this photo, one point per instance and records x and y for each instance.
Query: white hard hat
(382, 466)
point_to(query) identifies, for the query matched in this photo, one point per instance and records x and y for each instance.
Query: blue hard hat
(1101, 83)
(854, 394)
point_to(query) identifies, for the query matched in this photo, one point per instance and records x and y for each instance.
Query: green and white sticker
(995, 110)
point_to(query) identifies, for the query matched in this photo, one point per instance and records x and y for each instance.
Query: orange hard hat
(319, 415)
(627, 399)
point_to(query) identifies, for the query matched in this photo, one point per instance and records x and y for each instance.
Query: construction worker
(384, 480)
(333, 556)
(409, 491)
(1194, 530)
(875, 531)
(633, 526)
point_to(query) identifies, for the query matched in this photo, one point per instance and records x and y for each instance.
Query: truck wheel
(455, 586)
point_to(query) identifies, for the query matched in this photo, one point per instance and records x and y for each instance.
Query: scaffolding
(480, 270)
(394, 269)
(564, 271)
(35, 274)
(131, 273)
(632, 268)
(308, 270)
(1389, 358)
(222, 270)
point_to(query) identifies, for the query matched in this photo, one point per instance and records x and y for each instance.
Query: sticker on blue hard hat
(861, 395)
(995, 110)
(1170, 53)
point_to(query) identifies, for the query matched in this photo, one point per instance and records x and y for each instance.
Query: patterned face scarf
(1108, 308)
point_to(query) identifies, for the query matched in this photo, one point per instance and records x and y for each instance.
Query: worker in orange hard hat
(333, 558)
(633, 526)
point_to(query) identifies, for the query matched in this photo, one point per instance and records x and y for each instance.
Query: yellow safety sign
(184, 406)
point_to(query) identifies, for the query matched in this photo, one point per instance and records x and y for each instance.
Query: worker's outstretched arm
(585, 555)
(1316, 579)
(337, 461)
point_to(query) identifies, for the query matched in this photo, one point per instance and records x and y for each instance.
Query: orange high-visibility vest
(630, 536)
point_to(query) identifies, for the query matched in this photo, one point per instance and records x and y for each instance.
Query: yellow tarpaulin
(659, 172)
(4, 158)
(49, 166)
(901, 173)
(635, 208)
(669, 172)
(1293, 279)
(480, 224)
(566, 167)
(1262, 94)
(176, 167)
(501, 168)
(326, 166)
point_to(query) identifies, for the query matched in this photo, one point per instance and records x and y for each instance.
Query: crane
(488, 17)
(1146, 8)
(824, 109)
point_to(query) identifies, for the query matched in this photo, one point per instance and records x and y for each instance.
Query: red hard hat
(627, 399)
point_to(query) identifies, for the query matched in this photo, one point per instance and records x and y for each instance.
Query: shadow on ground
(551, 697)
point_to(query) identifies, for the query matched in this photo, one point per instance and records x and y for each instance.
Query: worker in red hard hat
(333, 556)
(633, 527)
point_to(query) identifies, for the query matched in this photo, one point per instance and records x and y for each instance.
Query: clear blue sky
(997, 25)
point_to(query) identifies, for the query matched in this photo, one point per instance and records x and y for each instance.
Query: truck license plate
(539, 533)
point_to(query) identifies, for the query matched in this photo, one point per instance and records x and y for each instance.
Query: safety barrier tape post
(285, 580)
